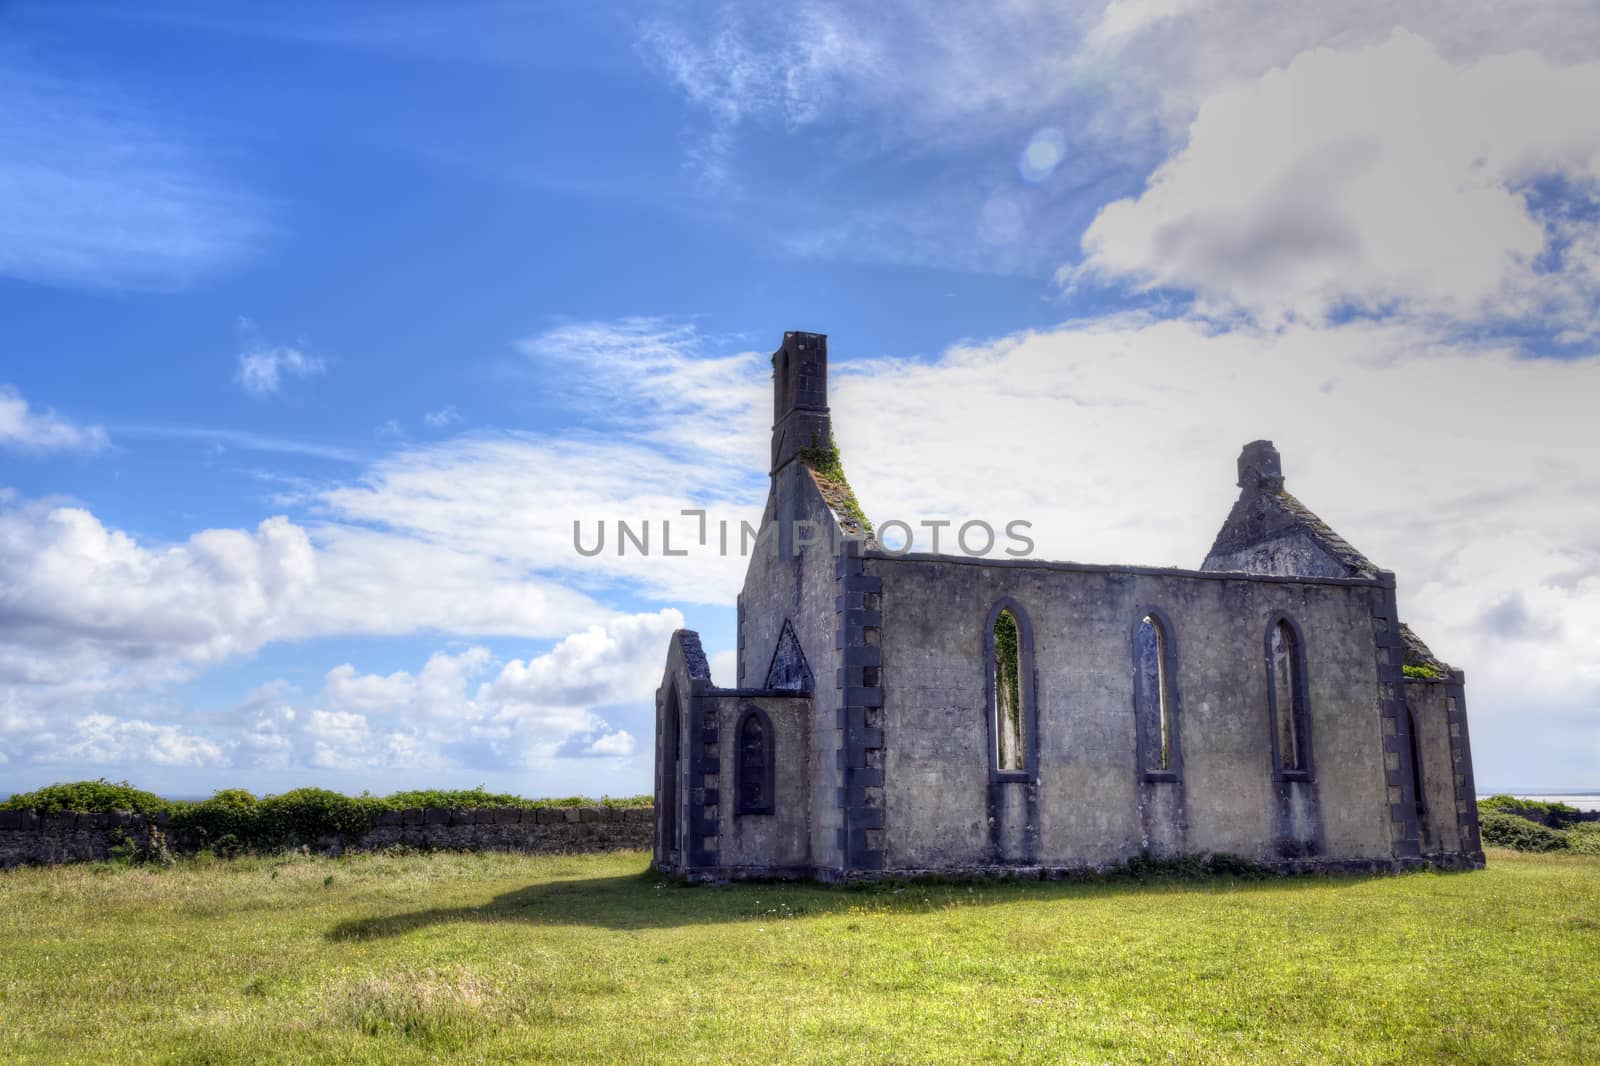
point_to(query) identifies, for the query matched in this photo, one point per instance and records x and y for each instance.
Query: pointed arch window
(1286, 694)
(1008, 655)
(756, 764)
(1155, 694)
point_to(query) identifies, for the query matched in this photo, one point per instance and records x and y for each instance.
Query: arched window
(756, 764)
(1286, 692)
(1155, 696)
(1008, 649)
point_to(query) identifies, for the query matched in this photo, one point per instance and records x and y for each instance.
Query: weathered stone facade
(31, 838)
(1257, 706)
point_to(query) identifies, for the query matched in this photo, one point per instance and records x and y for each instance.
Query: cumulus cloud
(601, 665)
(461, 708)
(1384, 179)
(263, 367)
(42, 431)
(452, 538)
(87, 610)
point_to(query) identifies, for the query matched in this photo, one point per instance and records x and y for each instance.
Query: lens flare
(1000, 221)
(1042, 155)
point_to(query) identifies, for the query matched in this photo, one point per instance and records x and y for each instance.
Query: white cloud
(452, 538)
(87, 608)
(679, 429)
(661, 385)
(443, 418)
(263, 367)
(1386, 179)
(461, 710)
(97, 191)
(448, 713)
(42, 431)
(1465, 468)
(602, 665)
(936, 103)
(1123, 17)
(616, 745)
(101, 740)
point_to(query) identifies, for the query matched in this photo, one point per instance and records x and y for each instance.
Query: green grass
(495, 958)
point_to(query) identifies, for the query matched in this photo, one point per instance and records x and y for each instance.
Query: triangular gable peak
(1270, 532)
(789, 671)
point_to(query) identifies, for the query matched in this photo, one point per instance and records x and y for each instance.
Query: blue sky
(322, 325)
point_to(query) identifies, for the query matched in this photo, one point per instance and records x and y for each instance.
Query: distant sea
(1584, 801)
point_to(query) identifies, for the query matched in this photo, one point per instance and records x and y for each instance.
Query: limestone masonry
(899, 714)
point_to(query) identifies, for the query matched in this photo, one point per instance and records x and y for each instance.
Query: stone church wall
(943, 810)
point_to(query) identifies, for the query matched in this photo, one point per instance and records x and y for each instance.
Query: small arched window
(756, 764)
(1155, 697)
(1286, 691)
(1009, 655)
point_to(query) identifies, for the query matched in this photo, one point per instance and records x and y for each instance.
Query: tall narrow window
(671, 775)
(1010, 753)
(1155, 697)
(1416, 764)
(756, 764)
(1284, 661)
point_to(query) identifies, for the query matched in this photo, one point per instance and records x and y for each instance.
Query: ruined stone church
(900, 713)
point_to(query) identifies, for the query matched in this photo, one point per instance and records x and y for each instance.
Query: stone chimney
(799, 396)
(1260, 467)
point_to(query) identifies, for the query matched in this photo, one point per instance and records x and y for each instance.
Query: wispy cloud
(43, 431)
(663, 380)
(263, 367)
(244, 440)
(443, 418)
(96, 191)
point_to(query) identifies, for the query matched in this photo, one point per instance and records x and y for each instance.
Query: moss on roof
(1418, 661)
(1342, 550)
(827, 471)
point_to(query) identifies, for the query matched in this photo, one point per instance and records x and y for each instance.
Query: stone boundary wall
(31, 838)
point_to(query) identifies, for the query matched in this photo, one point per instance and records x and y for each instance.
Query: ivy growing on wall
(1008, 686)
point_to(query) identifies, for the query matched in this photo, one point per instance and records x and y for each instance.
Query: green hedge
(234, 820)
(1503, 830)
(1558, 813)
(95, 797)
(1584, 838)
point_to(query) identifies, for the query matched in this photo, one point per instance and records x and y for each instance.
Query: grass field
(495, 958)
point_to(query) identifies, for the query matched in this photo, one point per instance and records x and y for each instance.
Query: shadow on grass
(650, 901)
